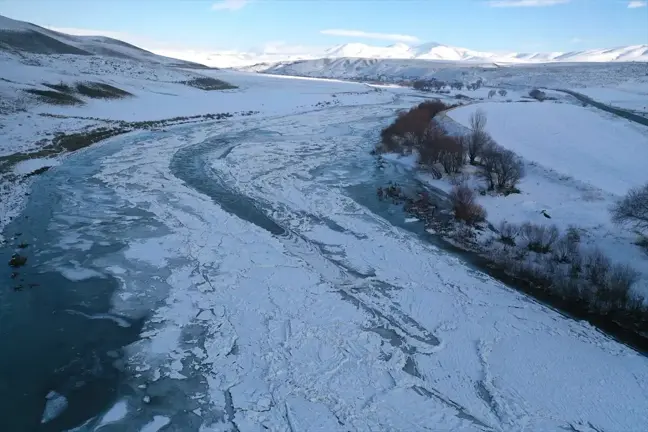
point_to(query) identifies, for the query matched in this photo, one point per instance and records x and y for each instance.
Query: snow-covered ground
(631, 96)
(580, 161)
(274, 301)
(343, 322)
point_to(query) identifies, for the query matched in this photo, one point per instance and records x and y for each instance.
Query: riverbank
(527, 242)
(425, 208)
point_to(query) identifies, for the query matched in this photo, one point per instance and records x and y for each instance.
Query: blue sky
(498, 25)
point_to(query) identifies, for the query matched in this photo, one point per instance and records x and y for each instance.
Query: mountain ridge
(431, 51)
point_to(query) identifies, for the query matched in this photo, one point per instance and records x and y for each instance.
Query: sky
(302, 25)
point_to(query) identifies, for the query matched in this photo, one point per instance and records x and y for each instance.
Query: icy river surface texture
(241, 276)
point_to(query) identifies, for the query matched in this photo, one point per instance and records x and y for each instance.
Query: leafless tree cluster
(474, 86)
(434, 84)
(559, 264)
(501, 168)
(429, 85)
(437, 147)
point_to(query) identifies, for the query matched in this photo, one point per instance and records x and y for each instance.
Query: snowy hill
(22, 37)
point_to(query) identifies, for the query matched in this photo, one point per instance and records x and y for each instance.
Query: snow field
(579, 163)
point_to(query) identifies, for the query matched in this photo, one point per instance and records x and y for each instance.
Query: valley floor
(272, 300)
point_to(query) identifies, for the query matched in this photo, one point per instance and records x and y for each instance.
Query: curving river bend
(241, 275)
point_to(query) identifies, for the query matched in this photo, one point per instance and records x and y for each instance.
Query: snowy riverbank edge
(481, 246)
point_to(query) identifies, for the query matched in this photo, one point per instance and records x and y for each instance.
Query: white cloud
(230, 5)
(525, 3)
(283, 48)
(369, 35)
(637, 4)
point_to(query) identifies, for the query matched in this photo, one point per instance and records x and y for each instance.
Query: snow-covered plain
(336, 321)
(580, 161)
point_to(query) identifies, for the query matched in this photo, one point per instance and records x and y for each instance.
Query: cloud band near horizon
(370, 35)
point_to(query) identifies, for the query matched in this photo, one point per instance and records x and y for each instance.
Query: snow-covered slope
(23, 37)
(366, 51)
(579, 161)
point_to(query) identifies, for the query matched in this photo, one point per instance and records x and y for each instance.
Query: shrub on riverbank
(556, 263)
(632, 210)
(549, 264)
(465, 206)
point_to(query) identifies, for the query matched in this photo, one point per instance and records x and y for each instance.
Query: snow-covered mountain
(429, 51)
(22, 37)
(436, 51)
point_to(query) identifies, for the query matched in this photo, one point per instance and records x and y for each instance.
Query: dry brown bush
(465, 206)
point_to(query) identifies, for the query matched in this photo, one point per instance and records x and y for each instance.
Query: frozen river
(236, 276)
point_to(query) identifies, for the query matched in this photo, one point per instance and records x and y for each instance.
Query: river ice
(275, 301)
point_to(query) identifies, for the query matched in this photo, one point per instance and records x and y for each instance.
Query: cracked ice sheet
(286, 334)
(464, 308)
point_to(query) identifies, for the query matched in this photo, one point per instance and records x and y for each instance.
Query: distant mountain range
(435, 51)
(44, 41)
(429, 51)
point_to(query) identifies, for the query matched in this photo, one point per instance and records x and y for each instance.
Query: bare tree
(427, 145)
(492, 93)
(464, 205)
(633, 209)
(503, 92)
(478, 138)
(509, 169)
(488, 161)
(478, 120)
(501, 168)
(451, 155)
